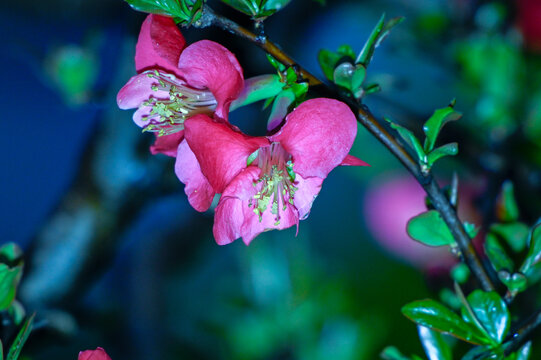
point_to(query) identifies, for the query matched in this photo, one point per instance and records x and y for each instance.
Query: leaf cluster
(349, 71)
(182, 11)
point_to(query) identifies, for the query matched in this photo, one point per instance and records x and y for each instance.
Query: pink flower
(98, 354)
(266, 182)
(174, 82)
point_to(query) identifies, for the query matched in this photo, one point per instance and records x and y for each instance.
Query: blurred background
(114, 255)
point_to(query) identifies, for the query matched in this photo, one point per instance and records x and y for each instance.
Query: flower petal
(318, 134)
(351, 160)
(206, 64)
(98, 354)
(159, 45)
(221, 151)
(235, 218)
(200, 193)
(167, 144)
(137, 90)
(307, 191)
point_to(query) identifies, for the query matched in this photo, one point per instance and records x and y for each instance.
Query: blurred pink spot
(388, 207)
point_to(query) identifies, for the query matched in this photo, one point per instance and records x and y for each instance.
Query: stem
(439, 200)
(522, 335)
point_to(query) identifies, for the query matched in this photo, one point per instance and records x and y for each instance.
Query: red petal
(307, 191)
(318, 134)
(98, 354)
(221, 151)
(159, 45)
(197, 188)
(167, 144)
(235, 218)
(206, 64)
(351, 160)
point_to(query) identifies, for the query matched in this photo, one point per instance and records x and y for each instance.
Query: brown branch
(439, 200)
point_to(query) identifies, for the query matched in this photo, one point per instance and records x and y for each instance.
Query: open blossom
(175, 82)
(98, 354)
(266, 182)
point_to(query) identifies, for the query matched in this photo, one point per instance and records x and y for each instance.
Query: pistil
(277, 182)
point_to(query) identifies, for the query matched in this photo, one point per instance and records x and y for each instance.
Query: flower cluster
(270, 182)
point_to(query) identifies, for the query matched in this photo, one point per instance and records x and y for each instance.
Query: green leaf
(276, 5)
(430, 229)
(358, 77)
(524, 352)
(476, 352)
(9, 279)
(370, 45)
(378, 34)
(275, 63)
(491, 312)
(342, 75)
(516, 282)
(506, 205)
(258, 88)
(173, 8)
(11, 254)
(471, 229)
(435, 123)
(435, 346)
(244, 6)
(432, 314)
(450, 149)
(531, 265)
(280, 108)
(515, 234)
(22, 336)
(497, 254)
(328, 60)
(1, 351)
(460, 273)
(392, 353)
(410, 139)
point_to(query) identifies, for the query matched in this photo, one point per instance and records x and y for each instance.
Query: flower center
(167, 115)
(277, 181)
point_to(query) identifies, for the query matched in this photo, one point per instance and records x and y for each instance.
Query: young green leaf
(328, 60)
(460, 273)
(506, 205)
(280, 108)
(174, 8)
(515, 234)
(435, 123)
(435, 346)
(410, 139)
(531, 267)
(392, 353)
(258, 88)
(430, 229)
(9, 279)
(516, 282)
(358, 77)
(491, 312)
(450, 149)
(342, 75)
(497, 254)
(369, 47)
(10, 253)
(22, 336)
(432, 314)
(276, 5)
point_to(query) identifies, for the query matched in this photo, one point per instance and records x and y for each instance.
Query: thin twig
(365, 117)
